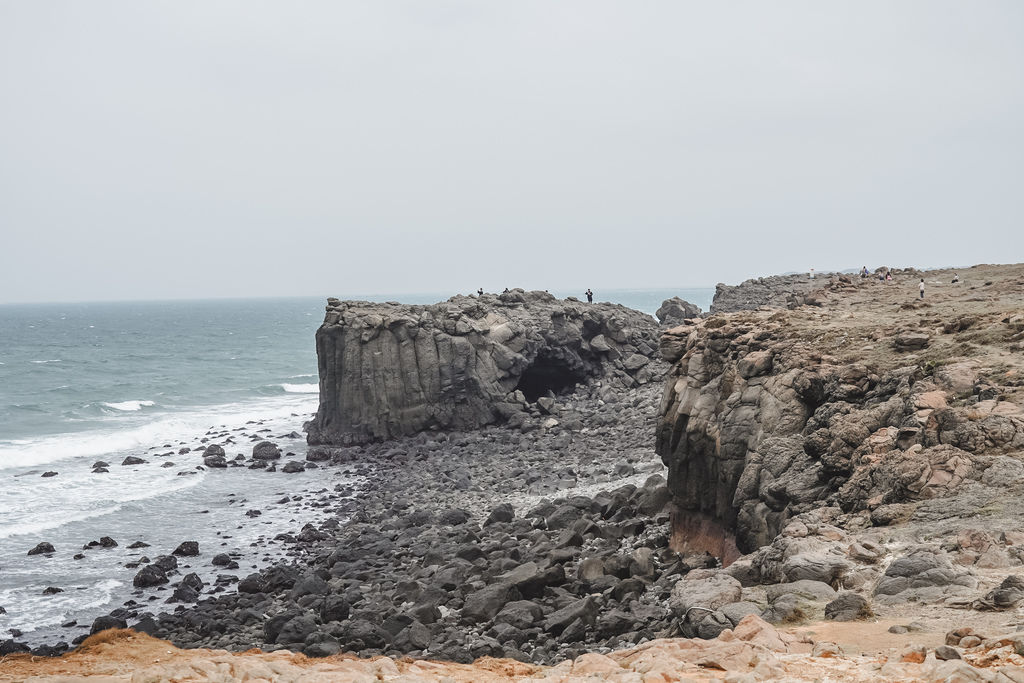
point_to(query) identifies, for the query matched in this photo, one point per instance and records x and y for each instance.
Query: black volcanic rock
(187, 549)
(388, 370)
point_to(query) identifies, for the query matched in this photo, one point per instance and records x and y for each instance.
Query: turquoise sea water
(100, 381)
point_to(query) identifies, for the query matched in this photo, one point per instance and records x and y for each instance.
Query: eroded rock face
(758, 425)
(389, 370)
(775, 291)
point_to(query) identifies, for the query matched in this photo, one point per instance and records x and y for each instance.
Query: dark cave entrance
(545, 374)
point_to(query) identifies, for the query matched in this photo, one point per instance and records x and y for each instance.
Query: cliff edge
(869, 399)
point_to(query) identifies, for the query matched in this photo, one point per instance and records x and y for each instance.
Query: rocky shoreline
(851, 456)
(465, 545)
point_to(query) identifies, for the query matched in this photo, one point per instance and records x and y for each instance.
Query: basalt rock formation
(869, 401)
(774, 291)
(675, 311)
(390, 370)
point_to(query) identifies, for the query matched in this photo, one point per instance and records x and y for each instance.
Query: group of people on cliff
(885, 275)
(589, 294)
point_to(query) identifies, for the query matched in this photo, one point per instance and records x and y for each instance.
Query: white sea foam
(42, 362)
(31, 611)
(301, 388)
(130, 406)
(161, 429)
(53, 522)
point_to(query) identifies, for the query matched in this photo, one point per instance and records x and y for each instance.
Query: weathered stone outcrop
(388, 370)
(675, 311)
(769, 414)
(772, 291)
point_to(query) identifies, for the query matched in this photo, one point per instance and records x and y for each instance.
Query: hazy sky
(203, 149)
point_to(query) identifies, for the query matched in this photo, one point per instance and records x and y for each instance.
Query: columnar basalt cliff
(389, 370)
(868, 401)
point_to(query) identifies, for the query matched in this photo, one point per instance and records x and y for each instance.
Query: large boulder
(704, 590)
(675, 311)
(149, 576)
(389, 370)
(266, 450)
(923, 575)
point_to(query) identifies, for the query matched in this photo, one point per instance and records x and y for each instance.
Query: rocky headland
(825, 483)
(391, 370)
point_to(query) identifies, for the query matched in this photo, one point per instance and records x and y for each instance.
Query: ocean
(88, 382)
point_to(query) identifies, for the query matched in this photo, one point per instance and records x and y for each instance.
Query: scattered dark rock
(105, 622)
(148, 576)
(187, 549)
(266, 450)
(43, 548)
(848, 606)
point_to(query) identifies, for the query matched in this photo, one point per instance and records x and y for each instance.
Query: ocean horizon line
(363, 296)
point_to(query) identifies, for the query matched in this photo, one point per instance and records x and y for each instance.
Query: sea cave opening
(547, 374)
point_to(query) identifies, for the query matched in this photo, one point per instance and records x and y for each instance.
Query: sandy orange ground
(755, 651)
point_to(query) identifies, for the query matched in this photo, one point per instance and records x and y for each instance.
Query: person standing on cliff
(590, 296)
(480, 292)
(922, 288)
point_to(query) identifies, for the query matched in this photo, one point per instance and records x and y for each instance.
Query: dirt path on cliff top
(857, 322)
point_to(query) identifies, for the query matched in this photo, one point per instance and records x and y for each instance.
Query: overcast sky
(207, 149)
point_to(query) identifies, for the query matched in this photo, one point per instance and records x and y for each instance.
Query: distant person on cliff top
(956, 278)
(888, 276)
(922, 288)
(590, 296)
(864, 271)
(480, 292)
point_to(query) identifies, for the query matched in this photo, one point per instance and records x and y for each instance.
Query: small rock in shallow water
(49, 474)
(266, 450)
(187, 549)
(43, 548)
(52, 590)
(132, 460)
(148, 576)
